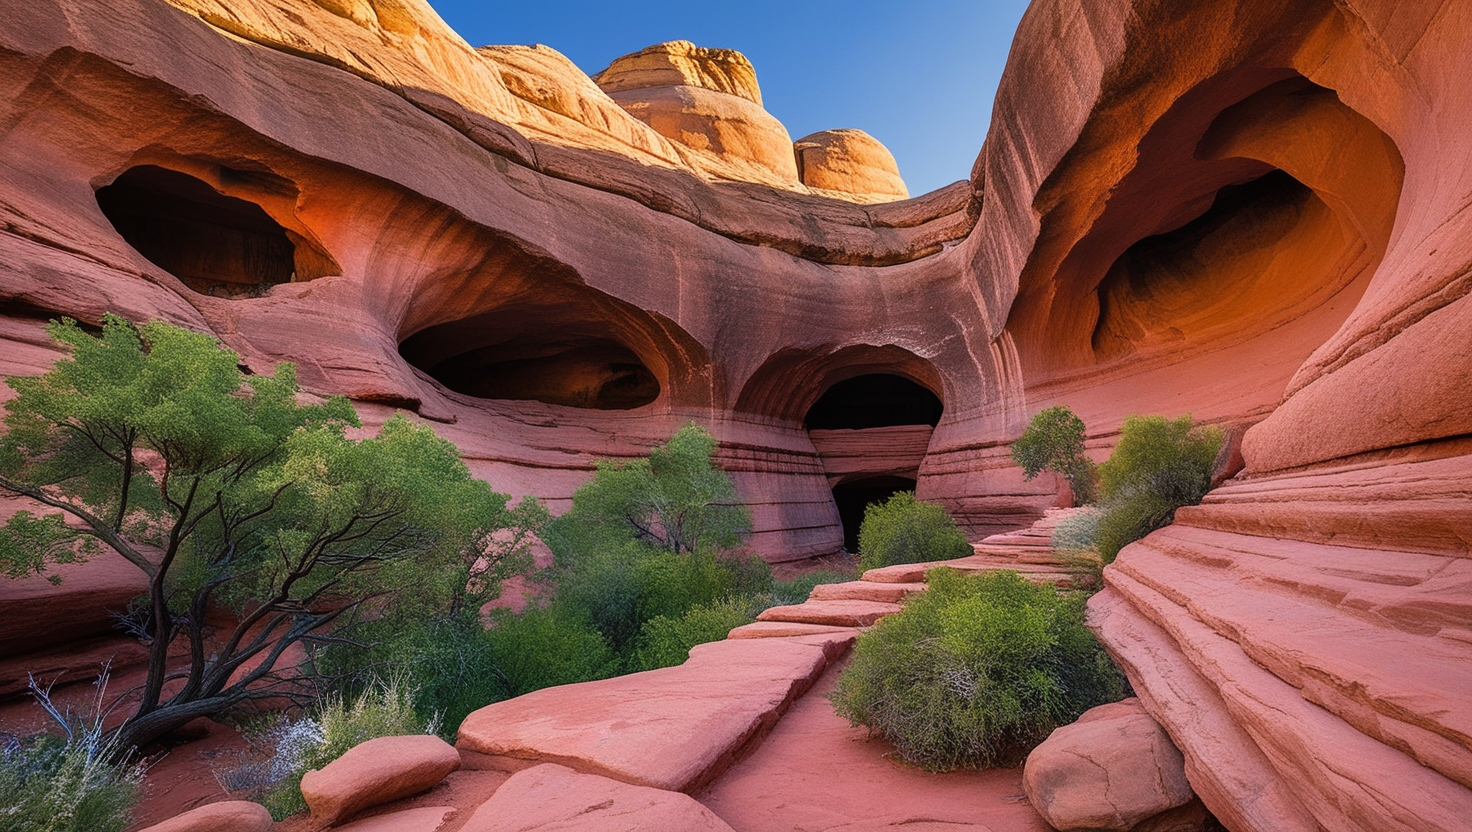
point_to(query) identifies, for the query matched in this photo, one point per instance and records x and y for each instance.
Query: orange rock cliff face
(1256, 213)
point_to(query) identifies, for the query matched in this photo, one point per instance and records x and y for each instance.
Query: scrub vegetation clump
(976, 671)
(1158, 466)
(1054, 441)
(903, 529)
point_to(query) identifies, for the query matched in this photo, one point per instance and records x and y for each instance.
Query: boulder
(1112, 769)
(225, 816)
(851, 163)
(551, 797)
(378, 771)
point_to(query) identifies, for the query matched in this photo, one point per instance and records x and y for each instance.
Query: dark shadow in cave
(215, 244)
(876, 400)
(853, 496)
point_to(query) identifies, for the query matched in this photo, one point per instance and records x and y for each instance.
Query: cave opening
(875, 400)
(855, 495)
(521, 353)
(215, 244)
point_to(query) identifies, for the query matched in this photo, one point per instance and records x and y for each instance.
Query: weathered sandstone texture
(1253, 212)
(553, 797)
(849, 162)
(378, 771)
(1112, 769)
(225, 816)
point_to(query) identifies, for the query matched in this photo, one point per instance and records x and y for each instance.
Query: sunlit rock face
(1255, 213)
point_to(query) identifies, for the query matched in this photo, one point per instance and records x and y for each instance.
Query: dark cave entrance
(551, 353)
(853, 496)
(215, 244)
(876, 400)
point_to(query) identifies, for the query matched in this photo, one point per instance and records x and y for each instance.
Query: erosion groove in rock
(1255, 213)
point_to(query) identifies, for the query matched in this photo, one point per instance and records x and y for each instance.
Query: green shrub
(666, 641)
(544, 647)
(796, 590)
(1158, 466)
(297, 746)
(905, 530)
(976, 671)
(1078, 532)
(48, 784)
(1054, 441)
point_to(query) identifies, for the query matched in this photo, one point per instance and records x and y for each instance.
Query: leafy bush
(1078, 531)
(296, 747)
(1054, 441)
(666, 641)
(544, 647)
(905, 530)
(976, 671)
(228, 490)
(796, 590)
(49, 784)
(1158, 466)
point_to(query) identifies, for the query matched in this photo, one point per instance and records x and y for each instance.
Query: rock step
(554, 797)
(785, 629)
(833, 613)
(908, 573)
(864, 591)
(676, 728)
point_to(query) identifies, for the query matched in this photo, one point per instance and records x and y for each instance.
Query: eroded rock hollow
(1253, 212)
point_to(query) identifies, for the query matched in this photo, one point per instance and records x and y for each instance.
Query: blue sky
(920, 76)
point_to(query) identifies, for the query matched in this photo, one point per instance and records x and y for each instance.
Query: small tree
(226, 490)
(1158, 466)
(1054, 441)
(676, 499)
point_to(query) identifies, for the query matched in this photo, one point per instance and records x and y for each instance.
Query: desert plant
(225, 489)
(1054, 441)
(665, 641)
(905, 530)
(976, 671)
(293, 747)
(544, 647)
(1078, 532)
(676, 499)
(80, 782)
(1158, 466)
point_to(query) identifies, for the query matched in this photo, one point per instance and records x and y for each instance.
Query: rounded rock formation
(851, 162)
(225, 816)
(375, 772)
(1112, 769)
(706, 99)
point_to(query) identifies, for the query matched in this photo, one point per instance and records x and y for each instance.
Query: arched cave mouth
(521, 353)
(1223, 267)
(215, 244)
(875, 400)
(854, 496)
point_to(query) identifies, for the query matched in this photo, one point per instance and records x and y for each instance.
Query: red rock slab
(376, 772)
(783, 629)
(864, 591)
(225, 816)
(81, 605)
(1110, 770)
(909, 573)
(423, 819)
(833, 613)
(816, 772)
(550, 797)
(675, 728)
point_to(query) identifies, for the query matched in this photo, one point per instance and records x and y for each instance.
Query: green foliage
(1158, 466)
(228, 490)
(905, 530)
(677, 500)
(543, 647)
(1054, 441)
(1078, 531)
(48, 784)
(665, 641)
(796, 590)
(976, 671)
(386, 709)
